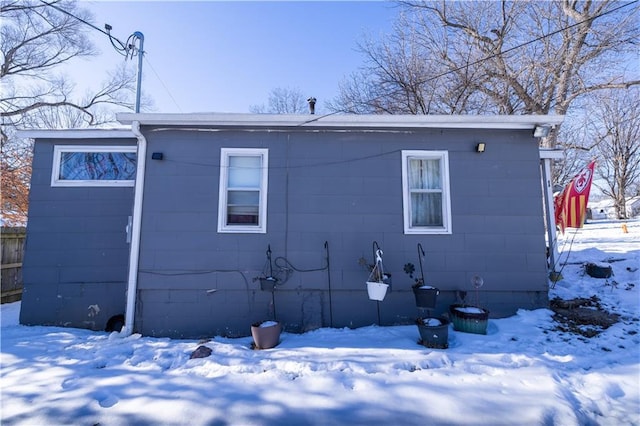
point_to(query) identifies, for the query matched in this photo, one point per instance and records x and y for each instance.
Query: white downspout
(134, 252)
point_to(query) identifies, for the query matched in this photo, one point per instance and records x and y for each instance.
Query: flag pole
(550, 215)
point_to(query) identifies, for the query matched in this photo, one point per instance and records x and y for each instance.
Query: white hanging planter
(377, 283)
(377, 290)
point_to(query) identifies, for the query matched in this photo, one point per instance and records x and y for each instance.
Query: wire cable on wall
(183, 272)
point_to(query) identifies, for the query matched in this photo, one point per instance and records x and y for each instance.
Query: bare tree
(36, 41)
(576, 142)
(283, 101)
(402, 74)
(615, 124)
(505, 57)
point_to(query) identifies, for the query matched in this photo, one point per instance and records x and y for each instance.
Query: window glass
(425, 174)
(75, 165)
(244, 171)
(243, 207)
(97, 166)
(426, 210)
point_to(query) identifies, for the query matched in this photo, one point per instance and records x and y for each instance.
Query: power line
(486, 58)
(126, 49)
(162, 82)
(66, 12)
(542, 37)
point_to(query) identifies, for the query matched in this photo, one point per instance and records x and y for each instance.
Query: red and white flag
(571, 205)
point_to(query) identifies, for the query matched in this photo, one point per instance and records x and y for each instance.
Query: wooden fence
(12, 253)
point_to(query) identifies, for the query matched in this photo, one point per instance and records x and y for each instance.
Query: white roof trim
(554, 154)
(342, 121)
(77, 134)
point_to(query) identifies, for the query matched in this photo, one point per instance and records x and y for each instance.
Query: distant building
(633, 207)
(602, 209)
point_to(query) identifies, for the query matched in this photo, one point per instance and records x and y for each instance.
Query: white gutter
(119, 133)
(134, 250)
(337, 121)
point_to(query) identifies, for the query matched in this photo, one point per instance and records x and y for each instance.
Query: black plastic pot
(434, 332)
(268, 283)
(426, 296)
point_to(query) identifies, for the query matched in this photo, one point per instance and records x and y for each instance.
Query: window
(75, 165)
(425, 192)
(242, 205)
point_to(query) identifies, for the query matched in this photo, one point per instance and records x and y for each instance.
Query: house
(172, 222)
(601, 209)
(605, 209)
(632, 206)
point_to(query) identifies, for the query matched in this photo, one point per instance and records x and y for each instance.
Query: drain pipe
(134, 252)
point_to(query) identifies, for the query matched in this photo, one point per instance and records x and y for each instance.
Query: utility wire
(287, 167)
(66, 12)
(123, 47)
(542, 37)
(486, 58)
(146, 58)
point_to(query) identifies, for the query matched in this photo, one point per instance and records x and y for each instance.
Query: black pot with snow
(268, 283)
(425, 295)
(434, 332)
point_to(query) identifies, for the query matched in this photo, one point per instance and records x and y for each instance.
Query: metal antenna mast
(133, 47)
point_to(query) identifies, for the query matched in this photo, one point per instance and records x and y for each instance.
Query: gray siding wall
(343, 189)
(76, 254)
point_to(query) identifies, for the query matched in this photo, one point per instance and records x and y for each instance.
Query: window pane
(242, 216)
(426, 209)
(244, 171)
(243, 207)
(244, 197)
(424, 174)
(97, 165)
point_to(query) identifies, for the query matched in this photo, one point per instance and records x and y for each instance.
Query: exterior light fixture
(541, 131)
(480, 147)
(157, 156)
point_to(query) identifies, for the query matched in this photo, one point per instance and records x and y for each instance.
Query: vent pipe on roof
(312, 105)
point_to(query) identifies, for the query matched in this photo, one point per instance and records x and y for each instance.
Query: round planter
(469, 319)
(426, 296)
(266, 334)
(434, 332)
(376, 290)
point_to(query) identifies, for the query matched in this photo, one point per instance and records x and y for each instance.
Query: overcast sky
(213, 56)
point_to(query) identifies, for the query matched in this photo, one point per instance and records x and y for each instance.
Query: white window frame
(443, 157)
(223, 227)
(58, 150)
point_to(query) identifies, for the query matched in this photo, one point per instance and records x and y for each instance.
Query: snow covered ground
(524, 371)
